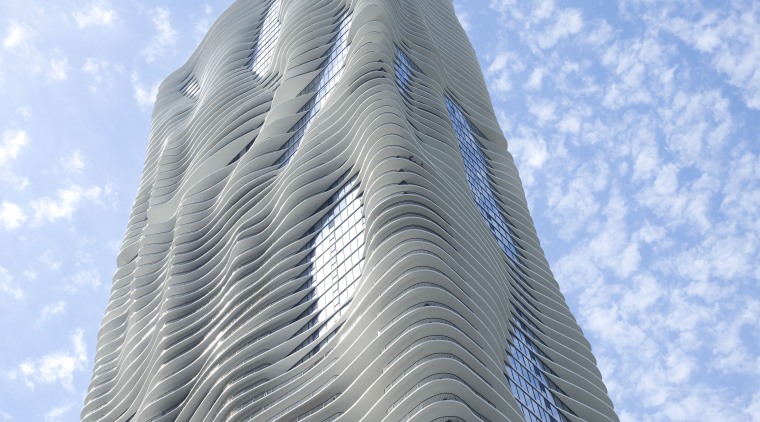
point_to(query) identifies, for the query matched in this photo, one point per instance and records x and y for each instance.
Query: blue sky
(634, 124)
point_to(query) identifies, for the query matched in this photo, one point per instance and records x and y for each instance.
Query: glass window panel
(332, 70)
(333, 285)
(263, 51)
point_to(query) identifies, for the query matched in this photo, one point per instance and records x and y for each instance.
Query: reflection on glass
(335, 265)
(476, 167)
(261, 58)
(525, 371)
(403, 68)
(322, 84)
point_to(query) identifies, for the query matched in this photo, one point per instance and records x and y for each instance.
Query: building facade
(329, 226)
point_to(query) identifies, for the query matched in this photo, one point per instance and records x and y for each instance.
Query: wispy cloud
(83, 278)
(58, 69)
(87, 274)
(45, 64)
(7, 286)
(56, 367)
(536, 78)
(102, 72)
(73, 163)
(648, 193)
(50, 311)
(24, 111)
(463, 16)
(166, 36)
(11, 215)
(145, 95)
(50, 260)
(203, 24)
(728, 35)
(65, 203)
(502, 70)
(56, 414)
(566, 23)
(532, 152)
(97, 13)
(17, 37)
(13, 142)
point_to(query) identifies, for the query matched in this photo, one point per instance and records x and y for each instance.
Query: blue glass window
(526, 374)
(335, 260)
(321, 86)
(479, 178)
(261, 57)
(404, 69)
(525, 371)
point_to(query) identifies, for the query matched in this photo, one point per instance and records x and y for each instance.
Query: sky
(634, 125)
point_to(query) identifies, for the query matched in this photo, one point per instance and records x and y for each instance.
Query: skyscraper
(330, 227)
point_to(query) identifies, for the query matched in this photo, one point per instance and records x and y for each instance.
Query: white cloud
(729, 37)
(55, 367)
(645, 152)
(74, 163)
(7, 287)
(58, 69)
(11, 215)
(24, 111)
(543, 110)
(56, 414)
(87, 274)
(17, 37)
(38, 64)
(568, 22)
(50, 261)
(530, 154)
(536, 78)
(501, 71)
(646, 292)
(101, 71)
(51, 311)
(5, 416)
(599, 35)
(543, 10)
(13, 142)
(650, 185)
(503, 6)
(145, 96)
(202, 25)
(699, 403)
(165, 36)
(94, 66)
(95, 14)
(753, 410)
(570, 124)
(83, 278)
(50, 210)
(463, 16)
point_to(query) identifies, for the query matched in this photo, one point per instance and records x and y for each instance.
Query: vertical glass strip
(479, 179)
(261, 58)
(335, 264)
(526, 374)
(403, 68)
(525, 371)
(321, 85)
